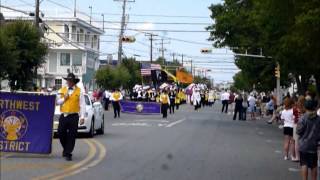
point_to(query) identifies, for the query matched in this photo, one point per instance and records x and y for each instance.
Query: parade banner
(26, 122)
(140, 107)
(184, 77)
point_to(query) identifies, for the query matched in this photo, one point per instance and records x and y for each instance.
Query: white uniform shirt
(107, 94)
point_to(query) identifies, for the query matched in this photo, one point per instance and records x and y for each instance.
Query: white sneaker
(280, 126)
(286, 158)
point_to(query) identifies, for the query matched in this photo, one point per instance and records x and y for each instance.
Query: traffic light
(277, 71)
(128, 39)
(206, 51)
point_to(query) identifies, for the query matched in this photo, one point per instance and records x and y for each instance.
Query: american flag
(146, 68)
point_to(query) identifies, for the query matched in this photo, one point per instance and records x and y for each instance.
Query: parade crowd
(297, 116)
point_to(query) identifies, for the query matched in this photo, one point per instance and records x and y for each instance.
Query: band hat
(72, 77)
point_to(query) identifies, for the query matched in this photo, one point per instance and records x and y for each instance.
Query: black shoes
(68, 158)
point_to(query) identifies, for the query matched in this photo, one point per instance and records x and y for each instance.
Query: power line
(158, 15)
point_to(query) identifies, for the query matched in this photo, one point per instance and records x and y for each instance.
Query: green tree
(113, 77)
(8, 56)
(133, 68)
(29, 50)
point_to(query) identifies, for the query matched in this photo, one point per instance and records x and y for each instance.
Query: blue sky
(220, 63)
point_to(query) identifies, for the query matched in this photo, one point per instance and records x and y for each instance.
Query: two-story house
(73, 47)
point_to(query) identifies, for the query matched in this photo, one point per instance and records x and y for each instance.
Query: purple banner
(26, 122)
(140, 107)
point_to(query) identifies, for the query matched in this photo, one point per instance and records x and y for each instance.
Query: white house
(74, 46)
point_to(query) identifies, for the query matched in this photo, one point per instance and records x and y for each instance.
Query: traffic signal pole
(36, 16)
(277, 73)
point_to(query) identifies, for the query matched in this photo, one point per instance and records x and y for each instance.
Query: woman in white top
(288, 118)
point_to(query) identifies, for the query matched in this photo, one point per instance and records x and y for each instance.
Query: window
(77, 59)
(58, 83)
(87, 39)
(65, 59)
(78, 36)
(81, 36)
(74, 32)
(66, 31)
(94, 42)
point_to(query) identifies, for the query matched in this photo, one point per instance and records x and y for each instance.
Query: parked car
(94, 118)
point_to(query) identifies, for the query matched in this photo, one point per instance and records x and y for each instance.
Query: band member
(178, 99)
(196, 99)
(72, 103)
(165, 102)
(116, 97)
(106, 99)
(172, 96)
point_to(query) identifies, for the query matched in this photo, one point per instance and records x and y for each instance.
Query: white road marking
(269, 141)
(278, 151)
(176, 122)
(260, 133)
(152, 120)
(294, 170)
(131, 124)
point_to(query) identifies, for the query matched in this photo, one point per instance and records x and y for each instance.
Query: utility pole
(182, 59)
(173, 54)
(162, 49)
(90, 7)
(102, 22)
(191, 68)
(75, 9)
(278, 83)
(123, 24)
(151, 44)
(36, 16)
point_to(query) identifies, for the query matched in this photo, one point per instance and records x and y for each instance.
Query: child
(288, 118)
(308, 129)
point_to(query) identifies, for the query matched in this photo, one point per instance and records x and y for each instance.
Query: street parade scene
(159, 90)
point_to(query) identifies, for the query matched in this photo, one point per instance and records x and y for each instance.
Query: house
(74, 46)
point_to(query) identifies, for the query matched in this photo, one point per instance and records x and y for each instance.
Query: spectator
(252, 104)
(238, 107)
(288, 118)
(245, 105)
(225, 101)
(308, 129)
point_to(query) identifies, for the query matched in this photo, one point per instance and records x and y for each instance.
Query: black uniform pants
(171, 106)
(116, 108)
(106, 104)
(67, 132)
(164, 110)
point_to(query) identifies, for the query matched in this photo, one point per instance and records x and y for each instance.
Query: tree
(113, 77)
(288, 31)
(28, 53)
(8, 56)
(133, 68)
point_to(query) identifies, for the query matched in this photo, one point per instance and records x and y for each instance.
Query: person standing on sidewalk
(165, 102)
(252, 104)
(308, 129)
(225, 101)
(288, 118)
(72, 104)
(238, 107)
(245, 105)
(116, 97)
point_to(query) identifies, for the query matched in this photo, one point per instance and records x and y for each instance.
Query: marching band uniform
(165, 102)
(116, 97)
(177, 100)
(72, 104)
(172, 97)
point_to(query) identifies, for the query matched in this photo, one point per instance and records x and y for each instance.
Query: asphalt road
(189, 145)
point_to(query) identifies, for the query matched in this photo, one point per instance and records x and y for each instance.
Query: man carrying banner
(116, 97)
(72, 104)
